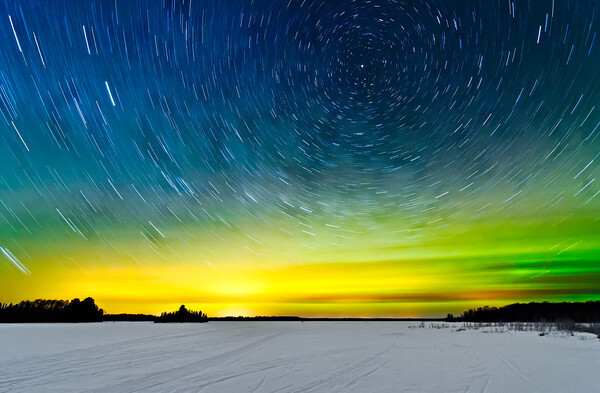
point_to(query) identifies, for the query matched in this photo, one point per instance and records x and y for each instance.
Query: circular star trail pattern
(451, 146)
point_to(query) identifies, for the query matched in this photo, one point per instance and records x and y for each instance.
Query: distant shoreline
(286, 319)
(76, 311)
(303, 319)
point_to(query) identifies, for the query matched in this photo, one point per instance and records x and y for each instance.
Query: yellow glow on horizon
(390, 288)
(395, 274)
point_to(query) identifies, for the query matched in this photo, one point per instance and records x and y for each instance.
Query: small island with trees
(182, 315)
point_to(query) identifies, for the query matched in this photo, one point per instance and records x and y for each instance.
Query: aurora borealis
(357, 158)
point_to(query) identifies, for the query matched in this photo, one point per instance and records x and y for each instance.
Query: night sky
(316, 157)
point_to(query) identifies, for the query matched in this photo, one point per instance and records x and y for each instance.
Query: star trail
(363, 158)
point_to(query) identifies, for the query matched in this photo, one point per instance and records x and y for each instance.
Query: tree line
(579, 312)
(52, 311)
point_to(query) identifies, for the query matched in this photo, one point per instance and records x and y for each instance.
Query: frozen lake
(291, 357)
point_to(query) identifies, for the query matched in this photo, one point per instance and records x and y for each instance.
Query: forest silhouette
(52, 311)
(579, 312)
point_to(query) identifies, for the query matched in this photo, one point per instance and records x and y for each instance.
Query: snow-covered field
(291, 357)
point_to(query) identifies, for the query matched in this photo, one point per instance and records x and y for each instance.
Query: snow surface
(291, 357)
